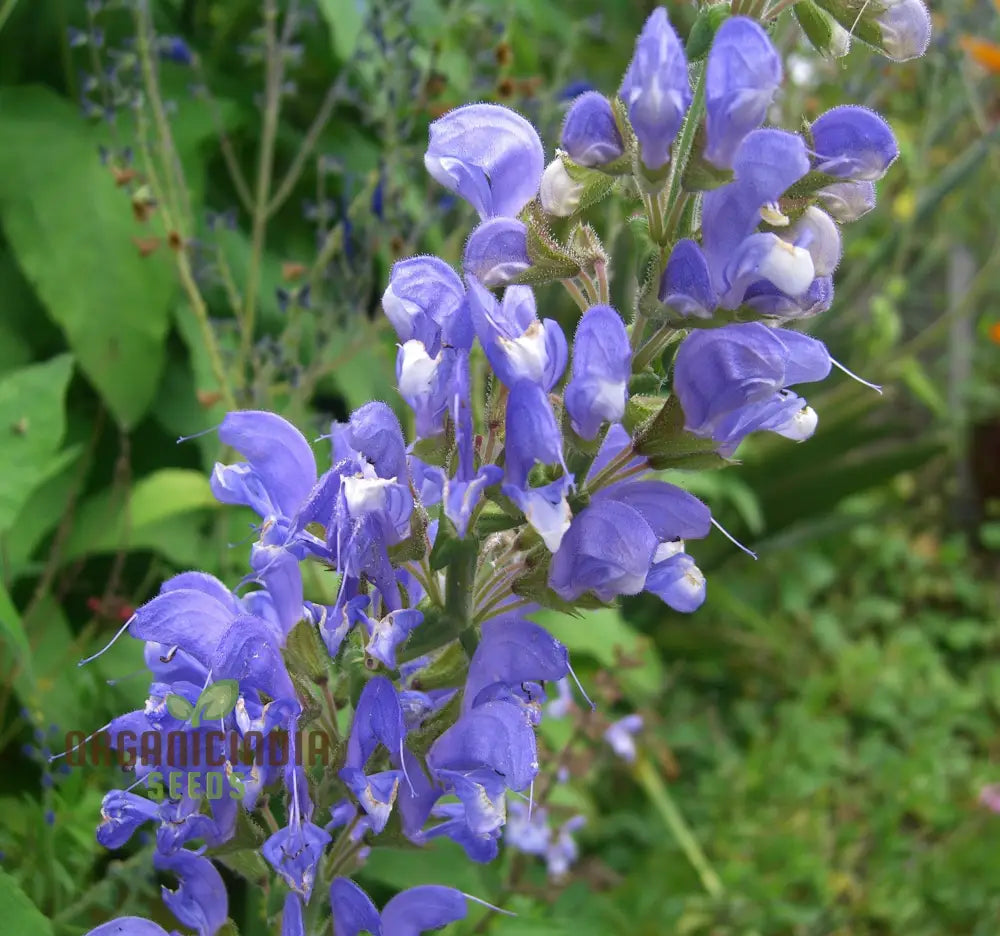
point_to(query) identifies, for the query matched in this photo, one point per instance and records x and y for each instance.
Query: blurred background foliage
(817, 736)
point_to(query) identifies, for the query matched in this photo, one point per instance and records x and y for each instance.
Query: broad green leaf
(13, 631)
(18, 913)
(346, 20)
(605, 635)
(54, 687)
(155, 503)
(71, 230)
(32, 423)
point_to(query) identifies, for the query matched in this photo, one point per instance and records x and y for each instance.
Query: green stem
(5, 12)
(578, 296)
(459, 589)
(664, 804)
(653, 348)
(684, 145)
(654, 212)
(265, 168)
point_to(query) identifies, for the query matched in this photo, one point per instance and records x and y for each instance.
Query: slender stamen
(483, 903)
(732, 539)
(197, 435)
(583, 692)
(77, 747)
(876, 387)
(402, 764)
(109, 644)
(139, 672)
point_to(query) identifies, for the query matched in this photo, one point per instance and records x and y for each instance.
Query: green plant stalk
(683, 152)
(5, 12)
(265, 168)
(459, 590)
(185, 273)
(664, 804)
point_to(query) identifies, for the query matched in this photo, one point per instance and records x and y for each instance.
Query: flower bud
(742, 75)
(656, 89)
(816, 233)
(497, 251)
(822, 30)
(847, 201)
(560, 194)
(853, 143)
(906, 29)
(590, 134)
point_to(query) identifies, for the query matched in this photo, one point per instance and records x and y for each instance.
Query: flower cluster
(530, 480)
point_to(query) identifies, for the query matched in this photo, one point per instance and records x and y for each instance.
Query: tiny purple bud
(906, 29)
(656, 89)
(497, 251)
(847, 201)
(742, 75)
(589, 134)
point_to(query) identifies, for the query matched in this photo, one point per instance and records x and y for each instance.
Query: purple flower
(378, 720)
(732, 381)
(675, 579)
(607, 550)
(375, 434)
(532, 437)
(121, 814)
(620, 736)
(425, 382)
(656, 89)
(906, 29)
(590, 134)
(743, 72)
(295, 852)
(489, 155)
(517, 344)
(768, 162)
(292, 923)
(602, 366)
(847, 201)
(853, 143)
(280, 470)
(616, 545)
(129, 926)
(200, 901)
(497, 251)
(414, 911)
(816, 233)
(686, 284)
(490, 749)
(387, 633)
(425, 300)
(766, 299)
(510, 654)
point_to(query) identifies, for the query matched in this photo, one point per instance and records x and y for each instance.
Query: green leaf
(156, 503)
(12, 629)
(71, 231)
(18, 913)
(32, 423)
(346, 20)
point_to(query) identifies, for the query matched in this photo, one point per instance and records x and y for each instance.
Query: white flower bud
(560, 195)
